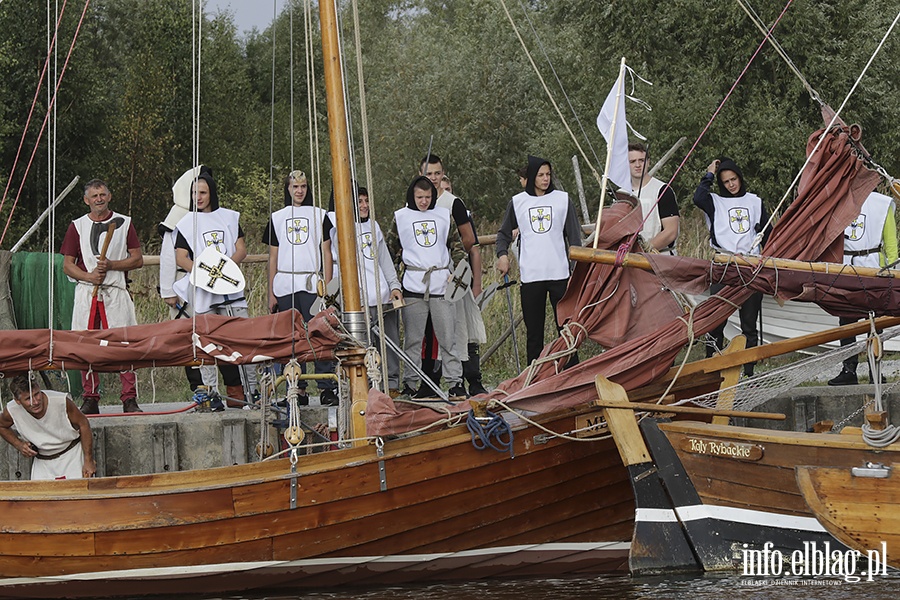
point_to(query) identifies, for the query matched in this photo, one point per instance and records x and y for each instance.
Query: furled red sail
(233, 340)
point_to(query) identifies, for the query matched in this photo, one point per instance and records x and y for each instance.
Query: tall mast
(352, 359)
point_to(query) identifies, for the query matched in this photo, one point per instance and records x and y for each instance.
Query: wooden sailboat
(857, 505)
(707, 492)
(414, 508)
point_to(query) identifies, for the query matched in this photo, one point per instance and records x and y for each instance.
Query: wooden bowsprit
(97, 317)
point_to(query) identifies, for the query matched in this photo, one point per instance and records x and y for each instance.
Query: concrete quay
(156, 443)
(172, 441)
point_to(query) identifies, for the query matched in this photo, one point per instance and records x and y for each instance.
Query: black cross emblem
(216, 273)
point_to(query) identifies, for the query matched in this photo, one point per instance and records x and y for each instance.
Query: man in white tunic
(48, 427)
(659, 206)
(111, 305)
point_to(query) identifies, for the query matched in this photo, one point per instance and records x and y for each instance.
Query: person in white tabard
(370, 241)
(869, 241)
(470, 331)
(421, 233)
(658, 203)
(734, 217)
(548, 225)
(48, 427)
(113, 307)
(294, 235)
(210, 225)
(169, 272)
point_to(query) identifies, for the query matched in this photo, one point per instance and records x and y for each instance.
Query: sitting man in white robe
(49, 428)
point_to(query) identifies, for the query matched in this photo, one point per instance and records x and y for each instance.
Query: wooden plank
(730, 378)
(621, 422)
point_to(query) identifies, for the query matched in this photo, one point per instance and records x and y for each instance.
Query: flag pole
(612, 136)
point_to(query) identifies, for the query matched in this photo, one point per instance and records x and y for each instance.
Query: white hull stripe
(412, 559)
(749, 517)
(655, 515)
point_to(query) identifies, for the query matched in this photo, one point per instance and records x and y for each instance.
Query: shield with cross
(297, 230)
(540, 218)
(460, 282)
(365, 245)
(214, 239)
(739, 219)
(216, 273)
(856, 229)
(426, 233)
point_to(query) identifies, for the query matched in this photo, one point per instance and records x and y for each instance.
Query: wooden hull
(444, 511)
(862, 512)
(734, 488)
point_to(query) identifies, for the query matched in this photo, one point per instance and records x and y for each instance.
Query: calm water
(645, 588)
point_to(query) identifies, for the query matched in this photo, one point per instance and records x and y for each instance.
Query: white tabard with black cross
(218, 228)
(542, 222)
(736, 221)
(423, 235)
(299, 233)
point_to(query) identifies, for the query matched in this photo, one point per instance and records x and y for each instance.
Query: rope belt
(71, 445)
(426, 279)
(310, 282)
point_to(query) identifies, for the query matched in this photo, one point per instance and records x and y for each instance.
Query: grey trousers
(443, 317)
(392, 331)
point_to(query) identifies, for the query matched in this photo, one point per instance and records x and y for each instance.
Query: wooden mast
(353, 318)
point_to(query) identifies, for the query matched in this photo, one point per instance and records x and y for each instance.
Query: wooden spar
(340, 156)
(665, 158)
(352, 358)
(44, 214)
(687, 410)
(609, 145)
(639, 261)
(799, 265)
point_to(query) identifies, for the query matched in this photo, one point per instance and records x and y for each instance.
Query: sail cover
(214, 338)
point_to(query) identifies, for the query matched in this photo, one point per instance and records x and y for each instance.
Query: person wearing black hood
(548, 225)
(209, 225)
(294, 237)
(422, 230)
(734, 217)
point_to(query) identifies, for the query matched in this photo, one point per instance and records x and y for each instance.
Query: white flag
(619, 172)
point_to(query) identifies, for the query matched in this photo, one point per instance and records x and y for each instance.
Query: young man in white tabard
(658, 203)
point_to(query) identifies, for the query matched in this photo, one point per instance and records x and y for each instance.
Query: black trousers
(749, 315)
(534, 306)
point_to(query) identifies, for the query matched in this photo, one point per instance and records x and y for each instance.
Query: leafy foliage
(448, 70)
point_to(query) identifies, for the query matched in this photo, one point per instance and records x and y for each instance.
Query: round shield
(216, 273)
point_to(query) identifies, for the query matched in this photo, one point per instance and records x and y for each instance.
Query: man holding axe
(98, 250)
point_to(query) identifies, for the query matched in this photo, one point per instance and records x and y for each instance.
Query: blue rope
(490, 434)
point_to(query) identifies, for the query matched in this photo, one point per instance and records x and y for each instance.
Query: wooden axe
(97, 307)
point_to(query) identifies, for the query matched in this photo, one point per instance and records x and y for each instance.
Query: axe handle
(109, 234)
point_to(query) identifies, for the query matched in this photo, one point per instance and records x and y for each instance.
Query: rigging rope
(43, 125)
(549, 95)
(720, 107)
(364, 120)
(787, 193)
(537, 38)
